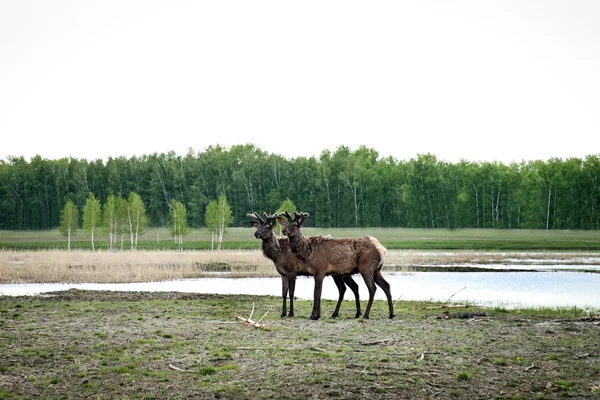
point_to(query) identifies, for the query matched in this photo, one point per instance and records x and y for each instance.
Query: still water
(490, 289)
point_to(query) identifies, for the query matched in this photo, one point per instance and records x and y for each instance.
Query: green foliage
(68, 221)
(218, 219)
(136, 216)
(92, 216)
(341, 188)
(287, 205)
(110, 213)
(178, 226)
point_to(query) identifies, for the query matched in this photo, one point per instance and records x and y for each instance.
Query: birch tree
(218, 219)
(136, 217)
(109, 213)
(178, 226)
(92, 216)
(68, 221)
(288, 206)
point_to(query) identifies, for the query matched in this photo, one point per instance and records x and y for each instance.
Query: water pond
(543, 288)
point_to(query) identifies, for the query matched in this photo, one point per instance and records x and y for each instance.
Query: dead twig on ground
(530, 367)
(461, 315)
(398, 300)
(383, 341)
(250, 322)
(454, 306)
(179, 369)
(449, 298)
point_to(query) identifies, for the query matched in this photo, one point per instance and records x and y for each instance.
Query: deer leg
(383, 284)
(354, 287)
(372, 288)
(284, 293)
(339, 282)
(292, 285)
(316, 311)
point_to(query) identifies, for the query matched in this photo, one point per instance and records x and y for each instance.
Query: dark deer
(324, 256)
(289, 266)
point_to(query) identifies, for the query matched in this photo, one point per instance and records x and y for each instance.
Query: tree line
(341, 188)
(121, 218)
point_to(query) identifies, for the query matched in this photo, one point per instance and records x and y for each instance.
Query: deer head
(291, 226)
(264, 228)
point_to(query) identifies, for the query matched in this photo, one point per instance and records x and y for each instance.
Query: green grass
(392, 238)
(75, 352)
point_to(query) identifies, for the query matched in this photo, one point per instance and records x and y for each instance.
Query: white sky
(479, 80)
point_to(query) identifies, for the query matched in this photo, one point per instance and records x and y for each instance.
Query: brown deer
(289, 266)
(325, 256)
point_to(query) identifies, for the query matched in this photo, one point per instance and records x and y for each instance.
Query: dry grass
(50, 266)
(128, 266)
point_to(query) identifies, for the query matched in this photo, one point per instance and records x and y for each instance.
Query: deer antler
(270, 219)
(256, 217)
(301, 218)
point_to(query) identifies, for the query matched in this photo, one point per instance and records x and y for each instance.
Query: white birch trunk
(137, 229)
(130, 225)
(548, 209)
(93, 247)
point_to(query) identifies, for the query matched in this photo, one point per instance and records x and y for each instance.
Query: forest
(341, 188)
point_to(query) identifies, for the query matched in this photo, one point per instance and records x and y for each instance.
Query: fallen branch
(448, 305)
(249, 321)
(461, 315)
(420, 305)
(177, 368)
(448, 301)
(454, 306)
(383, 341)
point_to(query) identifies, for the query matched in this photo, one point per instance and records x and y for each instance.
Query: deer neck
(299, 246)
(271, 248)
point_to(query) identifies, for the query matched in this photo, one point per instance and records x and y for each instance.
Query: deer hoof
(392, 316)
(290, 315)
(315, 317)
(334, 315)
(357, 315)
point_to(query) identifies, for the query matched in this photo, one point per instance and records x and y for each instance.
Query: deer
(345, 256)
(289, 266)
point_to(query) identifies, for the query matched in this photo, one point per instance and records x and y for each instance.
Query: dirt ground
(142, 345)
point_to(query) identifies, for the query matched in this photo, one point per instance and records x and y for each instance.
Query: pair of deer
(320, 256)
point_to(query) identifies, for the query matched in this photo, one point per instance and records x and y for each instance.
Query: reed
(81, 266)
(128, 266)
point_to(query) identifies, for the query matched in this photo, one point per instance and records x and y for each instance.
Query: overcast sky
(476, 80)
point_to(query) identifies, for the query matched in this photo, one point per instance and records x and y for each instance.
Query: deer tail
(382, 250)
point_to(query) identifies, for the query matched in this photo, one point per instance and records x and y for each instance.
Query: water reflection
(507, 289)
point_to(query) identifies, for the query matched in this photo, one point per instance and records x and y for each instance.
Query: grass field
(392, 238)
(116, 345)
